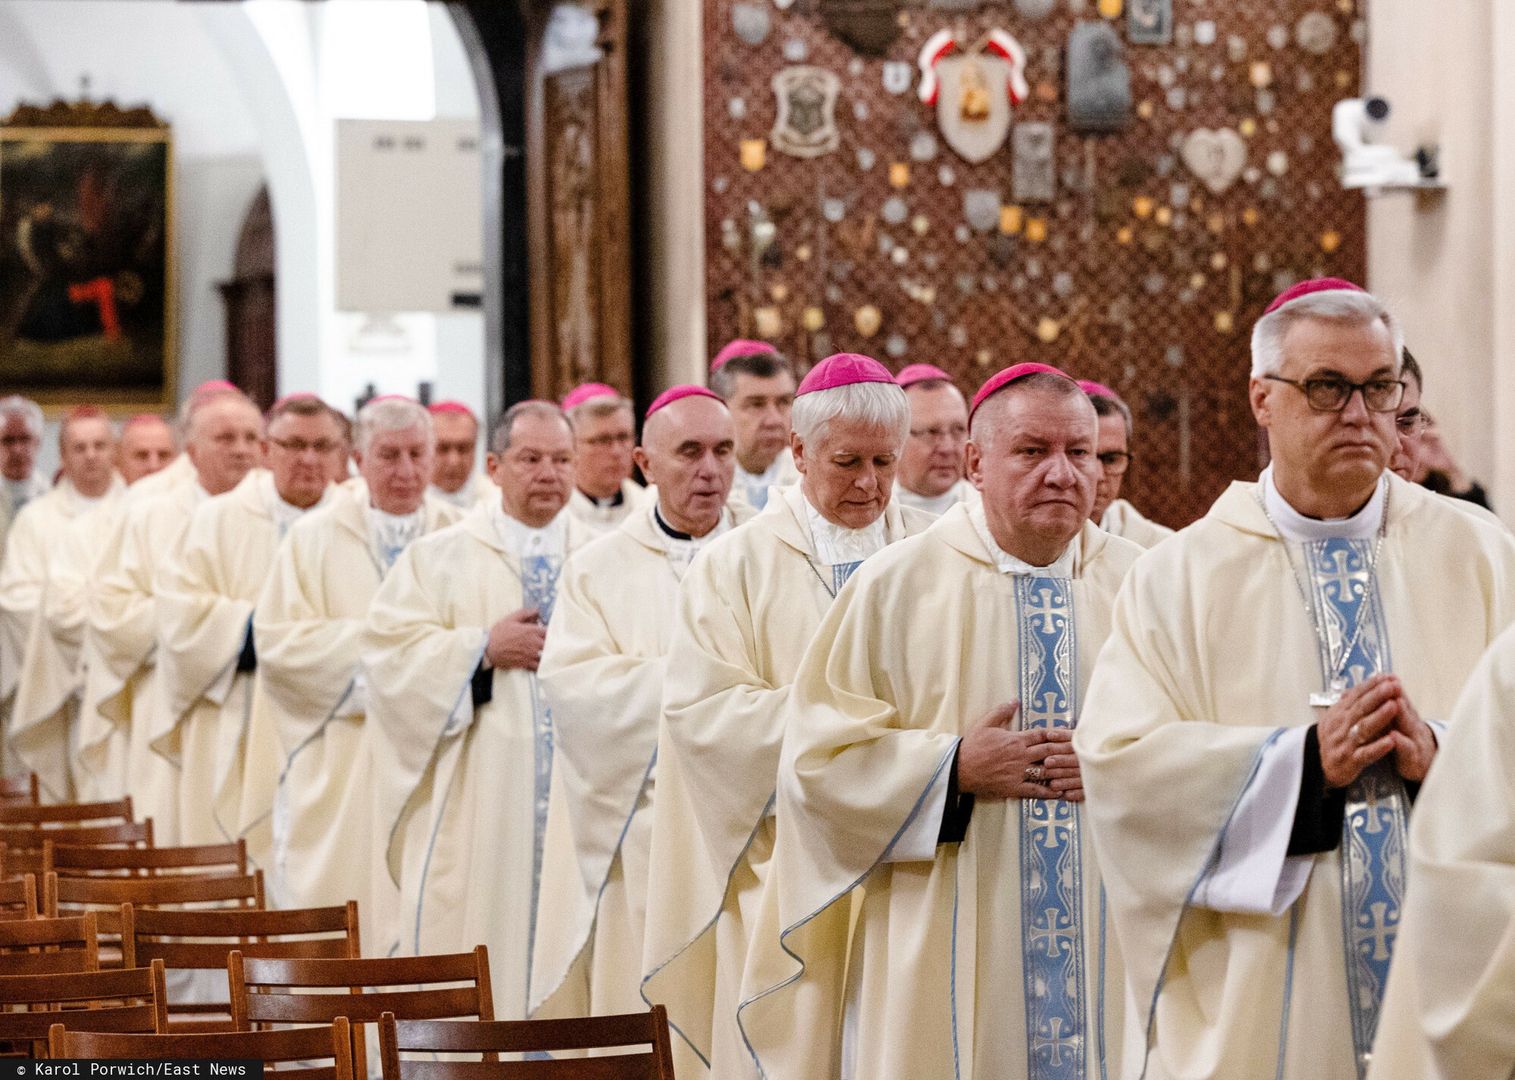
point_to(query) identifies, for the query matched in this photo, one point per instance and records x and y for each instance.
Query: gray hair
(599, 407)
(1105, 405)
(875, 404)
(763, 365)
(389, 414)
(27, 409)
(499, 439)
(1333, 305)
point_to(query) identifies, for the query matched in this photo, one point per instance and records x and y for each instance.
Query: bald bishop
(462, 737)
(310, 687)
(44, 719)
(224, 443)
(929, 794)
(1259, 721)
(747, 609)
(602, 674)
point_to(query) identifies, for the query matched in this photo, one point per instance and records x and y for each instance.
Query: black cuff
(1318, 817)
(958, 811)
(483, 685)
(247, 659)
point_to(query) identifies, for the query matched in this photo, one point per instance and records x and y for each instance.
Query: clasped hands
(1371, 721)
(995, 761)
(516, 641)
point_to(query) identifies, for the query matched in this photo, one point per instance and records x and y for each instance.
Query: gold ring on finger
(1034, 773)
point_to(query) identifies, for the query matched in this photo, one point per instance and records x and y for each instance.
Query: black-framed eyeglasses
(300, 446)
(1114, 462)
(1332, 395)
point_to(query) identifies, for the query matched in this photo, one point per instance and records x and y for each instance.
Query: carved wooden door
(578, 197)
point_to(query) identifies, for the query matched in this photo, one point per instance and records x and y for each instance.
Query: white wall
(1446, 263)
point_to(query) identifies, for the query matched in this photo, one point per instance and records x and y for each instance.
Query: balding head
(224, 439)
(689, 452)
(87, 450)
(147, 445)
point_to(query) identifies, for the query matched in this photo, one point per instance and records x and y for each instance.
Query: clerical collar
(463, 497)
(286, 514)
(668, 530)
(1298, 528)
(390, 534)
(88, 502)
(836, 545)
(1006, 563)
(937, 505)
(680, 547)
(607, 503)
(524, 541)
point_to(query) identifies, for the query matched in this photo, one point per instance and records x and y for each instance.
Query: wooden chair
(202, 860)
(22, 846)
(20, 789)
(647, 1030)
(49, 946)
(105, 813)
(131, 1000)
(205, 940)
(270, 991)
(296, 1046)
(105, 895)
(19, 898)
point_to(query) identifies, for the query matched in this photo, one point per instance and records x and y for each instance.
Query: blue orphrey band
(1051, 863)
(1345, 595)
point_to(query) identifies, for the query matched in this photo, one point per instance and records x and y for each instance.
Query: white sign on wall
(409, 215)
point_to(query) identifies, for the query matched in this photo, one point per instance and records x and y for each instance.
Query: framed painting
(86, 257)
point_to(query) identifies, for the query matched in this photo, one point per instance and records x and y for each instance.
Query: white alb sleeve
(918, 842)
(1254, 873)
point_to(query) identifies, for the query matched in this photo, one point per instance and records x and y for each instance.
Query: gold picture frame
(87, 287)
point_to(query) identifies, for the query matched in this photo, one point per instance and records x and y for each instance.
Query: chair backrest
(105, 813)
(68, 860)
(204, 941)
(20, 789)
(21, 846)
(274, 991)
(298, 1046)
(49, 946)
(105, 895)
(130, 999)
(18, 898)
(648, 1032)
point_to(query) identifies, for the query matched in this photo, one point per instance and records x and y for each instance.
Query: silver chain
(1321, 632)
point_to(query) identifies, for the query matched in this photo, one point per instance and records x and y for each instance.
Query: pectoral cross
(1324, 700)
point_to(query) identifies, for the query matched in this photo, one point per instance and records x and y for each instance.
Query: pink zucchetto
(588, 392)
(212, 388)
(678, 393)
(1314, 285)
(741, 347)
(843, 369)
(1097, 389)
(456, 408)
(915, 373)
(1002, 379)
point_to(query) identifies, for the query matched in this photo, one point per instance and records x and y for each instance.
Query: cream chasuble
(604, 517)
(747, 609)
(205, 598)
(602, 677)
(751, 489)
(960, 492)
(462, 790)
(100, 764)
(29, 547)
(309, 697)
(13, 498)
(1126, 521)
(44, 714)
(1450, 1009)
(122, 689)
(1213, 659)
(986, 958)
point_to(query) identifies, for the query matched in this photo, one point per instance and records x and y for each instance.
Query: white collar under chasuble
(390, 534)
(525, 542)
(837, 545)
(1299, 529)
(681, 548)
(1006, 563)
